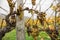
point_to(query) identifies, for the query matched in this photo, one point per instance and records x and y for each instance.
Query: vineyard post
(20, 28)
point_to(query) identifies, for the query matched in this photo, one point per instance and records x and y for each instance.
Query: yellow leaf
(21, 15)
(33, 2)
(54, 8)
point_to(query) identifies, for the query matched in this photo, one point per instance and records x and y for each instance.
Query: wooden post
(20, 28)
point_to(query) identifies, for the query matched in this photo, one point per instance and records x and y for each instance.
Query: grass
(12, 36)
